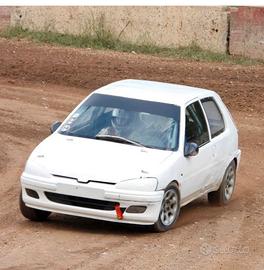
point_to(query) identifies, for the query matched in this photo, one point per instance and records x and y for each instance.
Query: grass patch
(104, 39)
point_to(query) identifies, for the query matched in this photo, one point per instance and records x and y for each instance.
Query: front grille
(80, 201)
(86, 182)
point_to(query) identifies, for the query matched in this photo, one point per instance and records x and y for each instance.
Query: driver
(120, 122)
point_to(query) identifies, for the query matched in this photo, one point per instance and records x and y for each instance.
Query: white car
(134, 152)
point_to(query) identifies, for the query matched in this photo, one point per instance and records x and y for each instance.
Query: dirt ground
(40, 84)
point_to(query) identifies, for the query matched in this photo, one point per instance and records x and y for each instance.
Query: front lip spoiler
(90, 213)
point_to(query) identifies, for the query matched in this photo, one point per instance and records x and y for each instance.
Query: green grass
(104, 39)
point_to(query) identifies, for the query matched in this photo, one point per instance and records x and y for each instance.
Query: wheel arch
(235, 160)
(178, 186)
(176, 182)
(165, 184)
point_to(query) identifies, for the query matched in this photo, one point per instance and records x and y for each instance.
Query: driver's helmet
(120, 118)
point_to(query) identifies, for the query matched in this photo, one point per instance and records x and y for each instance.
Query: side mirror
(191, 149)
(54, 126)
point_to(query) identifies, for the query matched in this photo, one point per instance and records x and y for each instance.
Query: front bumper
(92, 190)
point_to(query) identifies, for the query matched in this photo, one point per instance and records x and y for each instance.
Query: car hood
(89, 159)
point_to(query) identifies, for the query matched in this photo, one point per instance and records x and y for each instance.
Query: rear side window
(214, 116)
(196, 128)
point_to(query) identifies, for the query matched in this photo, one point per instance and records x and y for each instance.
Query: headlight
(142, 184)
(33, 168)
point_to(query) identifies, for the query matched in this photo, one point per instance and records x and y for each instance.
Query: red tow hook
(119, 213)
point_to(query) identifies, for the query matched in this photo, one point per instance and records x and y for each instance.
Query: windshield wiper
(117, 139)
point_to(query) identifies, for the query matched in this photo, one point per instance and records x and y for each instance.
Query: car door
(196, 170)
(218, 139)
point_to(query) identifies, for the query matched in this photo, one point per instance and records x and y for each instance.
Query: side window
(196, 128)
(214, 116)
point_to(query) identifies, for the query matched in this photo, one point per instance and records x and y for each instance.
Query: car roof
(155, 91)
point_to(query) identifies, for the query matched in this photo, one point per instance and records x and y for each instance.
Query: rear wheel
(223, 195)
(31, 213)
(170, 209)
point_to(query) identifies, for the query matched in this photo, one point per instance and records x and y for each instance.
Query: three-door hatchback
(134, 152)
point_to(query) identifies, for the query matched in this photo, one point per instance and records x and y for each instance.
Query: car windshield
(125, 120)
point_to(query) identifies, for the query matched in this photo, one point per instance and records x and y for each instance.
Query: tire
(223, 195)
(31, 213)
(170, 209)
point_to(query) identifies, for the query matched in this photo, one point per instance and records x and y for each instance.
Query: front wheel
(31, 213)
(223, 195)
(170, 209)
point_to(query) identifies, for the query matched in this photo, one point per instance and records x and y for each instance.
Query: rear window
(214, 116)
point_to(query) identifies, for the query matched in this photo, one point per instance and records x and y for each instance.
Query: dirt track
(40, 84)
